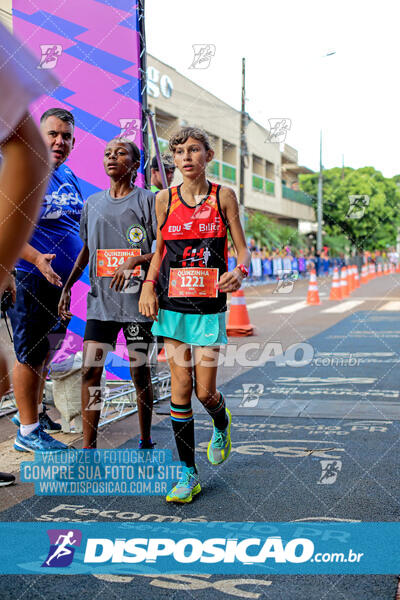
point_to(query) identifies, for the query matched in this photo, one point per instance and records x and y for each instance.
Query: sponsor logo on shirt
(206, 227)
(136, 234)
(61, 202)
(188, 226)
(176, 229)
(195, 257)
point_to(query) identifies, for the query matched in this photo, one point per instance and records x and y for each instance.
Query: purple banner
(93, 46)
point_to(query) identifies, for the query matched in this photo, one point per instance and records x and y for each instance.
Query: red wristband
(243, 269)
(150, 281)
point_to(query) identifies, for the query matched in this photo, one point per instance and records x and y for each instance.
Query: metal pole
(143, 89)
(156, 146)
(242, 145)
(320, 199)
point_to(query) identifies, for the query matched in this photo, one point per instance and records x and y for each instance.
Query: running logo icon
(50, 55)
(129, 128)
(203, 54)
(357, 206)
(278, 129)
(286, 281)
(330, 471)
(251, 394)
(62, 547)
(95, 398)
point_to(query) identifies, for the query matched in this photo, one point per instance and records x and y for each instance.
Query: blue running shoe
(47, 423)
(37, 441)
(146, 445)
(187, 487)
(44, 420)
(16, 420)
(220, 444)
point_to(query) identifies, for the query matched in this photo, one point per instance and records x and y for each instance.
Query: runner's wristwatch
(243, 269)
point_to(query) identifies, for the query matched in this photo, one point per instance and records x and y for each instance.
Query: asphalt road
(315, 437)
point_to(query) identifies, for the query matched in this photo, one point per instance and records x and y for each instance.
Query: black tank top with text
(195, 254)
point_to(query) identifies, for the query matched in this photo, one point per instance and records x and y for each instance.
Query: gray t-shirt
(116, 224)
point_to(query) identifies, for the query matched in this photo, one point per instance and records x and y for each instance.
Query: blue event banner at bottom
(212, 547)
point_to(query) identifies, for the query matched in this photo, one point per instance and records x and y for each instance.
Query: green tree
(288, 236)
(376, 223)
(263, 229)
(337, 244)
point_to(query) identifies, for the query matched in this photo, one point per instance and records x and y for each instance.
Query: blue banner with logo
(114, 472)
(214, 547)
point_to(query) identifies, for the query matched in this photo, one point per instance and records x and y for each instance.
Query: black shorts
(138, 336)
(37, 328)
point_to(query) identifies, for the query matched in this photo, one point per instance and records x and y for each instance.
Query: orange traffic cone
(336, 290)
(398, 267)
(162, 357)
(313, 295)
(351, 280)
(356, 277)
(379, 270)
(364, 274)
(239, 323)
(343, 283)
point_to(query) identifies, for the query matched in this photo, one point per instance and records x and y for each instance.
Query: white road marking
(260, 304)
(393, 305)
(343, 306)
(291, 308)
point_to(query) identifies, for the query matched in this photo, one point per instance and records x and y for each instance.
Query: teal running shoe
(220, 444)
(187, 487)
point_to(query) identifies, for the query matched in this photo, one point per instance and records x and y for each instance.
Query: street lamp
(319, 204)
(320, 183)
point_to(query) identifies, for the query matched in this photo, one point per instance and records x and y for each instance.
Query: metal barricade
(120, 398)
(7, 404)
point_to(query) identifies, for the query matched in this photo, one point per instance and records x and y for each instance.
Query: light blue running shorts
(197, 330)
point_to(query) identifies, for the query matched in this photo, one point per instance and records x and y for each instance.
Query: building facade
(270, 185)
(176, 101)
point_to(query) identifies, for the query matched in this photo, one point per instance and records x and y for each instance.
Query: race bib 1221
(196, 282)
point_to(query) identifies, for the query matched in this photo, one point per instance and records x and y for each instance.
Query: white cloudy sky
(352, 95)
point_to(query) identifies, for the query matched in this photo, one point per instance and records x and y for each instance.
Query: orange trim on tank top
(211, 200)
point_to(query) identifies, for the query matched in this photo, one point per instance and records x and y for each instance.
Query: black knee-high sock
(183, 427)
(218, 413)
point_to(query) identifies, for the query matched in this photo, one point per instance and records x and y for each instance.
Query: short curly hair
(184, 133)
(134, 150)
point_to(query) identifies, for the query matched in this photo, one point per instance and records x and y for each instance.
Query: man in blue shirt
(45, 264)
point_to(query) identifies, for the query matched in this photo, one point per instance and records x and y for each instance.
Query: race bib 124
(108, 261)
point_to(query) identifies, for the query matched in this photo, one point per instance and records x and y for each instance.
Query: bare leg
(179, 360)
(27, 382)
(206, 367)
(43, 377)
(220, 445)
(4, 376)
(141, 377)
(94, 356)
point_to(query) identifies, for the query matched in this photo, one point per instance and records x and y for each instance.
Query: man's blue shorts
(37, 328)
